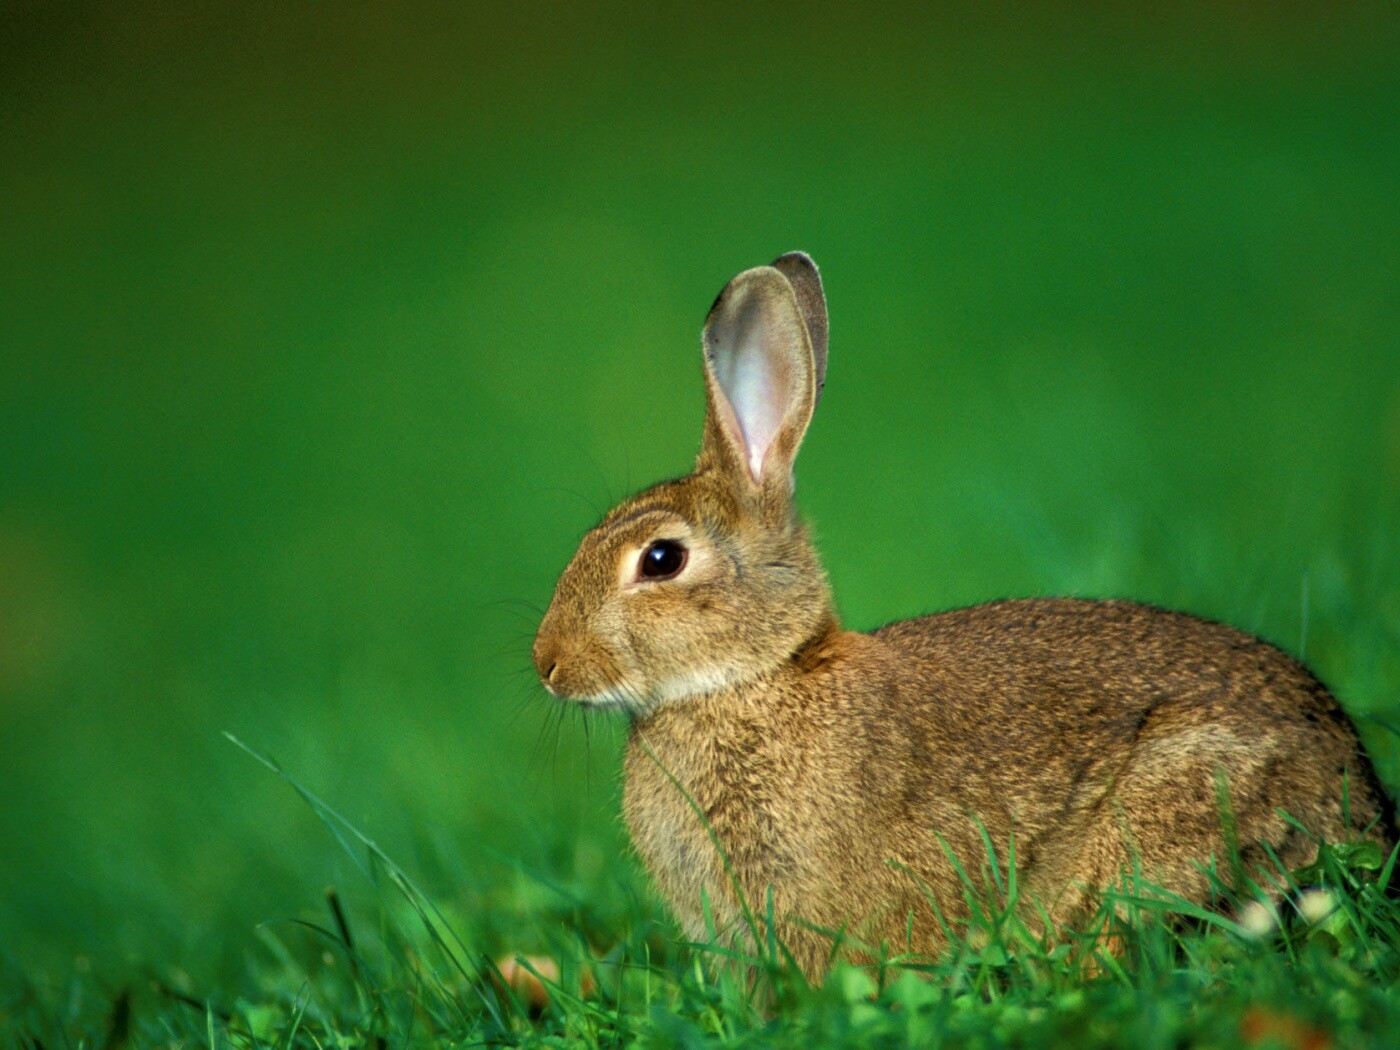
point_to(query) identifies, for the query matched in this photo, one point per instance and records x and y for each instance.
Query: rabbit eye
(662, 560)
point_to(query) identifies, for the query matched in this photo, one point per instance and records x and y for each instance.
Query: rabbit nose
(546, 656)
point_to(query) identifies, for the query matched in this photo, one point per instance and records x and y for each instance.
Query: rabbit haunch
(832, 767)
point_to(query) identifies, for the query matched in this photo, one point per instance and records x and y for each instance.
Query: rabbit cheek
(683, 654)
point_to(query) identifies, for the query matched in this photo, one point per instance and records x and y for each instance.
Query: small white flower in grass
(1316, 905)
(1258, 919)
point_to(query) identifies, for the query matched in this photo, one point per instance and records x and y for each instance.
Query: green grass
(411, 971)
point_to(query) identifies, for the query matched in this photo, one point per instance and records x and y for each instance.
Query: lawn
(596, 964)
(323, 337)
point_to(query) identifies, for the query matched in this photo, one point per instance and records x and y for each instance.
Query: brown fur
(827, 764)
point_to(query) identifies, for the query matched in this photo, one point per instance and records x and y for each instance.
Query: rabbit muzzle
(580, 672)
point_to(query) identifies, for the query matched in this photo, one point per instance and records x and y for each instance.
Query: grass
(406, 970)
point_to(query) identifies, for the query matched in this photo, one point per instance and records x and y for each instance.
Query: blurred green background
(326, 330)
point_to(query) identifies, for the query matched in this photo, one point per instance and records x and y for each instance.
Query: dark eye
(662, 560)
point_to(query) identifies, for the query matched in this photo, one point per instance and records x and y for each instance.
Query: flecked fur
(828, 763)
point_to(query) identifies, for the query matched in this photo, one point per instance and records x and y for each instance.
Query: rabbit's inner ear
(759, 356)
(758, 387)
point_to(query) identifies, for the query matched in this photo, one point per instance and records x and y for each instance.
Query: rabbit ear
(760, 377)
(806, 282)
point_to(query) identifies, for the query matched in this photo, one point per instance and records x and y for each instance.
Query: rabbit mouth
(604, 692)
(614, 698)
(601, 684)
(637, 700)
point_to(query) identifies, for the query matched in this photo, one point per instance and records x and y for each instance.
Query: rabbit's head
(708, 581)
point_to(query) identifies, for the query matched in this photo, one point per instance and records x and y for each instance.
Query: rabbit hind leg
(1183, 820)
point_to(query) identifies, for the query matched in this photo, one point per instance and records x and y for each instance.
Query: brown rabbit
(828, 764)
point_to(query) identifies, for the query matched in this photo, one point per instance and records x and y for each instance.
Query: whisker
(549, 727)
(567, 710)
(559, 490)
(587, 747)
(533, 607)
(526, 698)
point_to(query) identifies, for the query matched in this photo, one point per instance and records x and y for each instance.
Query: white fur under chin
(695, 683)
(669, 691)
(613, 700)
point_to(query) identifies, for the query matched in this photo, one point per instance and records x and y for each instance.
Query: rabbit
(779, 764)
